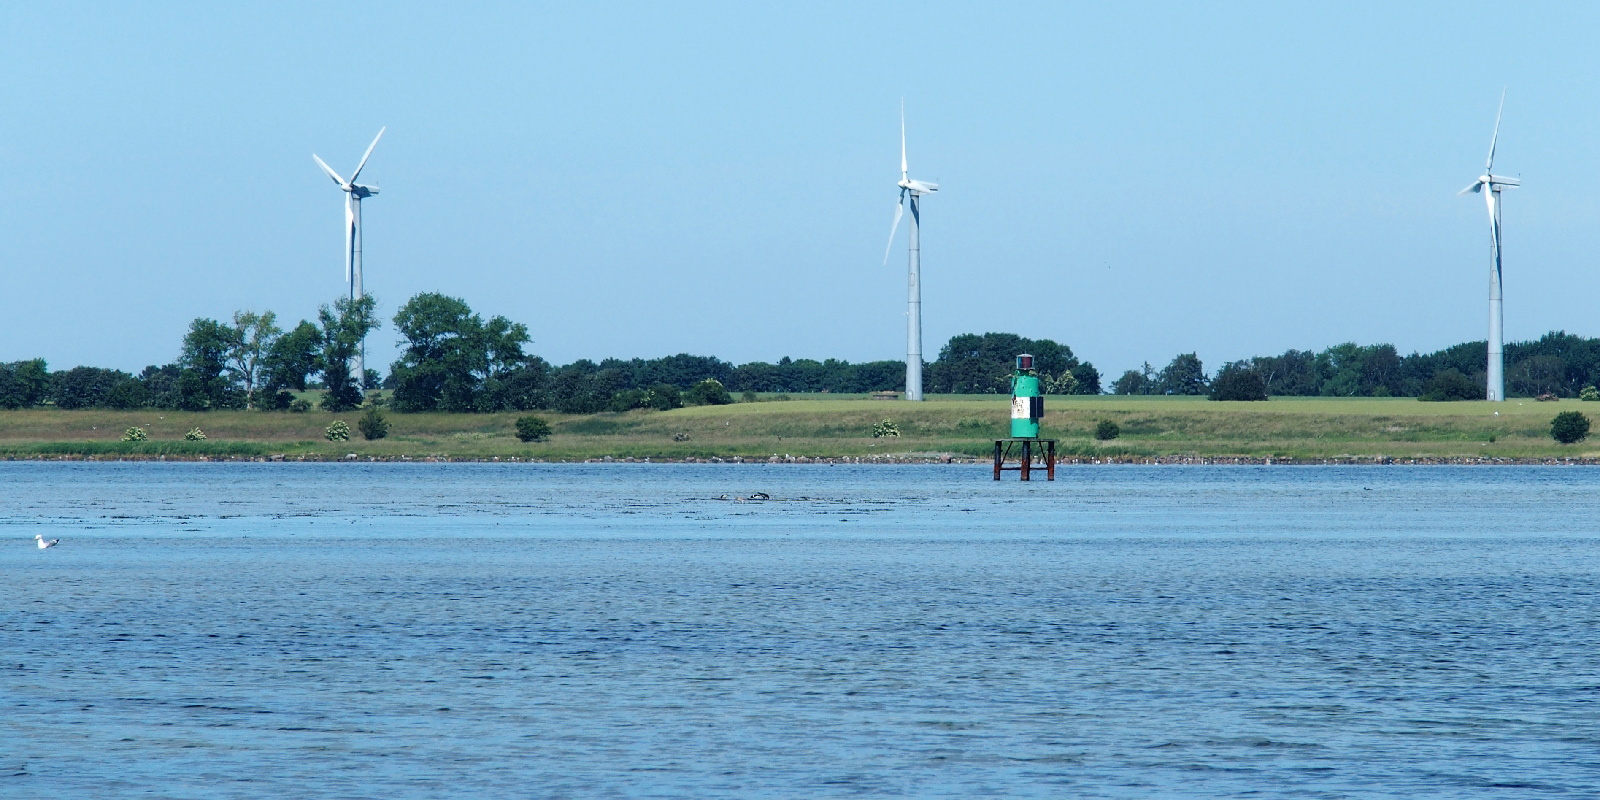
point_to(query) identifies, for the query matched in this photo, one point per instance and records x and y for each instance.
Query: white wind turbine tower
(1490, 185)
(915, 190)
(354, 192)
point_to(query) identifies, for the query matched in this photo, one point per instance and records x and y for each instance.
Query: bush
(709, 392)
(195, 435)
(1237, 382)
(275, 401)
(1450, 384)
(1589, 393)
(134, 435)
(885, 429)
(337, 432)
(532, 429)
(1107, 430)
(748, 397)
(665, 397)
(299, 406)
(629, 399)
(1569, 427)
(372, 424)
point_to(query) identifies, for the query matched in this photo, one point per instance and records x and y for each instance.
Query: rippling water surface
(430, 630)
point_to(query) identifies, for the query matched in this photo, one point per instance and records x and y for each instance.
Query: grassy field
(831, 426)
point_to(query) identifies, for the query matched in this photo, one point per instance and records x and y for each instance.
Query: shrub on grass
(195, 435)
(532, 429)
(1589, 393)
(299, 406)
(1569, 427)
(337, 432)
(709, 392)
(1450, 384)
(1107, 430)
(885, 429)
(134, 435)
(372, 424)
(665, 397)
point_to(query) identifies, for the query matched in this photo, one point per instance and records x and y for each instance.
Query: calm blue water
(428, 630)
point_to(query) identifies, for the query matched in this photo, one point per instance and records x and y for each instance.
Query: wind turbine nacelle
(921, 187)
(363, 191)
(1502, 182)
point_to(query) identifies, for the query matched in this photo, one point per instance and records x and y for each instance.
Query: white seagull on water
(44, 544)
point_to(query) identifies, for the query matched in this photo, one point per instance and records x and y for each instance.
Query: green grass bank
(831, 426)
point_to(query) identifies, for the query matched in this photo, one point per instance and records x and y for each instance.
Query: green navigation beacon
(1027, 404)
(1024, 445)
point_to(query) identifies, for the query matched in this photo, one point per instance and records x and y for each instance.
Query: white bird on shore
(45, 544)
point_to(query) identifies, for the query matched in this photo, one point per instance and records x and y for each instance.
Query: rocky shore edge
(852, 460)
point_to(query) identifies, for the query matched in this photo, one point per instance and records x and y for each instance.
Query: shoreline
(1078, 461)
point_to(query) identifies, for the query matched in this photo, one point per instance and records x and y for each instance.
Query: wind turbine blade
(1477, 186)
(902, 138)
(367, 154)
(328, 169)
(899, 210)
(1488, 166)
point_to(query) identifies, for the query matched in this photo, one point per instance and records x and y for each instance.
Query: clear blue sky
(646, 179)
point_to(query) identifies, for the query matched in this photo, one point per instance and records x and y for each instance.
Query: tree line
(452, 359)
(1558, 363)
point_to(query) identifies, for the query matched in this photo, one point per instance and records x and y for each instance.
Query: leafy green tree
(1292, 374)
(1569, 427)
(581, 388)
(1538, 375)
(161, 385)
(1185, 375)
(24, 384)
(250, 341)
(709, 392)
(629, 399)
(1136, 381)
(665, 397)
(128, 393)
(85, 387)
(453, 360)
(1088, 378)
(344, 326)
(973, 364)
(1107, 430)
(204, 382)
(293, 357)
(1237, 381)
(1450, 384)
(521, 389)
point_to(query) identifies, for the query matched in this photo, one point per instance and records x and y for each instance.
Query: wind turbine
(914, 190)
(1490, 185)
(354, 192)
